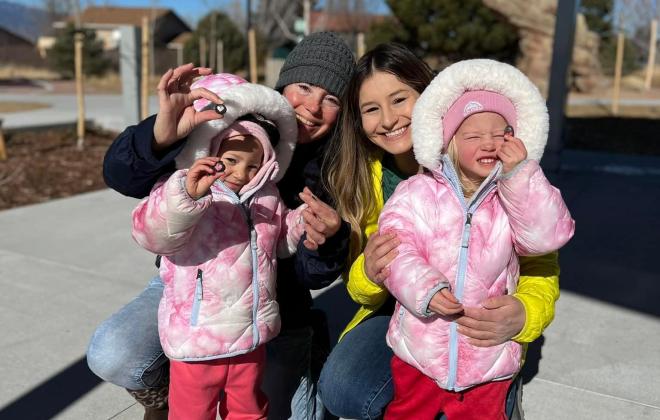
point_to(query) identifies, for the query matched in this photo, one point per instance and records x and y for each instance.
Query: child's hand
(445, 303)
(511, 153)
(321, 220)
(202, 174)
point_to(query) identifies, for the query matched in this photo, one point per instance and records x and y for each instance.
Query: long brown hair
(347, 165)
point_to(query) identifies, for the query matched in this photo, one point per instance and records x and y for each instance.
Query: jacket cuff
(533, 327)
(514, 171)
(337, 243)
(424, 309)
(144, 135)
(359, 286)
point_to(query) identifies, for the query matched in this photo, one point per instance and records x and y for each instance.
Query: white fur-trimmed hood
(478, 74)
(242, 99)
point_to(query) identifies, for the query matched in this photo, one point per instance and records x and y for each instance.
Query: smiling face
(316, 110)
(478, 139)
(242, 156)
(386, 106)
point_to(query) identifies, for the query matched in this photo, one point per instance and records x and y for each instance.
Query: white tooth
(304, 121)
(395, 132)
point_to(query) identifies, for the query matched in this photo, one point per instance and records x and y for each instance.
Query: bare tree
(275, 20)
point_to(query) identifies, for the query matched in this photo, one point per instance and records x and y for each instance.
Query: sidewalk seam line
(76, 268)
(600, 394)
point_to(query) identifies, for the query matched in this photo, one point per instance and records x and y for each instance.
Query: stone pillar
(129, 66)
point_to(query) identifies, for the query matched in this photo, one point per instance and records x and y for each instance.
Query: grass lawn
(11, 106)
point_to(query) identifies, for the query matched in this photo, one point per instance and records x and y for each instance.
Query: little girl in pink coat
(479, 130)
(219, 224)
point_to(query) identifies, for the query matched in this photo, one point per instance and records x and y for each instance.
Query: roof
(14, 34)
(24, 22)
(181, 39)
(343, 22)
(119, 15)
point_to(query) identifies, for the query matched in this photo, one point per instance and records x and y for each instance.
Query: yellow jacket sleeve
(538, 290)
(360, 288)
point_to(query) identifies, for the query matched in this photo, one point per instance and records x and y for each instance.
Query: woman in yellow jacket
(373, 154)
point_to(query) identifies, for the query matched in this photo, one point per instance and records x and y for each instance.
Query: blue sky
(187, 9)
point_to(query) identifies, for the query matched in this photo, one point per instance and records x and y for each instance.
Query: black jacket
(131, 168)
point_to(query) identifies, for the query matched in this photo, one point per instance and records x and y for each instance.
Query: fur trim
(244, 99)
(478, 74)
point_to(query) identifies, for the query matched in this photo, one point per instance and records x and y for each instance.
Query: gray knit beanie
(322, 59)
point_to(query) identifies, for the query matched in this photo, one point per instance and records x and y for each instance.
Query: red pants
(416, 396)
(195, 388)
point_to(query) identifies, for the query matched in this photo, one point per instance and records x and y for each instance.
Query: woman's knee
(125, 349)
(109, 357)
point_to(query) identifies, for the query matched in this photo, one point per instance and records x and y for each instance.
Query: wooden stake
(360, 44)
(617, 73)
(3, 149)
(650, 68)
(212, 51)
(202, 51)
(78, 65)
(252, 45)
(144, 95)
(220, 56)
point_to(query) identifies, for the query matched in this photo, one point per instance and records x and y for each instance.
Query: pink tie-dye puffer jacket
(218, 266)
(471, 248)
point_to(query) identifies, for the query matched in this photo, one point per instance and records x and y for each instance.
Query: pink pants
(195, 388)
(416, 396)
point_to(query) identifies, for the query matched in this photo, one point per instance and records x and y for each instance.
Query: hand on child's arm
(380, 251)
(176, 116)
(499, 319)
(445, 303)
(511, 153)
(202, 174)
(321, 220)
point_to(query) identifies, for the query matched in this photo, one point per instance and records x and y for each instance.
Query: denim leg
(514, 409)
(306, 403)
(286, 377)
(125, 349)
(356, 380)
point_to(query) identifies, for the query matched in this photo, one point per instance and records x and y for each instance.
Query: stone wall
(535, 20)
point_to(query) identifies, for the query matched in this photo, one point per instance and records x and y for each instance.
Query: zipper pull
(466, 231)
(201, 289)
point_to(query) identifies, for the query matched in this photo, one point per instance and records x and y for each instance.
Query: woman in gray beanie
(125, 349)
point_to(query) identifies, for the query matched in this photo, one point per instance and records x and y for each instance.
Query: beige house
(166, 27)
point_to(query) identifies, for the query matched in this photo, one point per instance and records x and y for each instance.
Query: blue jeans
(356, 380)
(125, 350)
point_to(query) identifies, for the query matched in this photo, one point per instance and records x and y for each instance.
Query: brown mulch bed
(43, 165)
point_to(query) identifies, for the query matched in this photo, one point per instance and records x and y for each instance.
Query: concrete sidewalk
(68, 264)
(105, 111)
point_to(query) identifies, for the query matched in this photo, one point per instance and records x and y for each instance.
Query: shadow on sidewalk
(614, 254)
(51, 397)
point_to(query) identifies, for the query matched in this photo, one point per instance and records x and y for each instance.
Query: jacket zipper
(252, 233)
(199, 296)
(469, 210)
(243, 204)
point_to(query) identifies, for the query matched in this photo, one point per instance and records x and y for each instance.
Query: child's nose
(242, 174)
